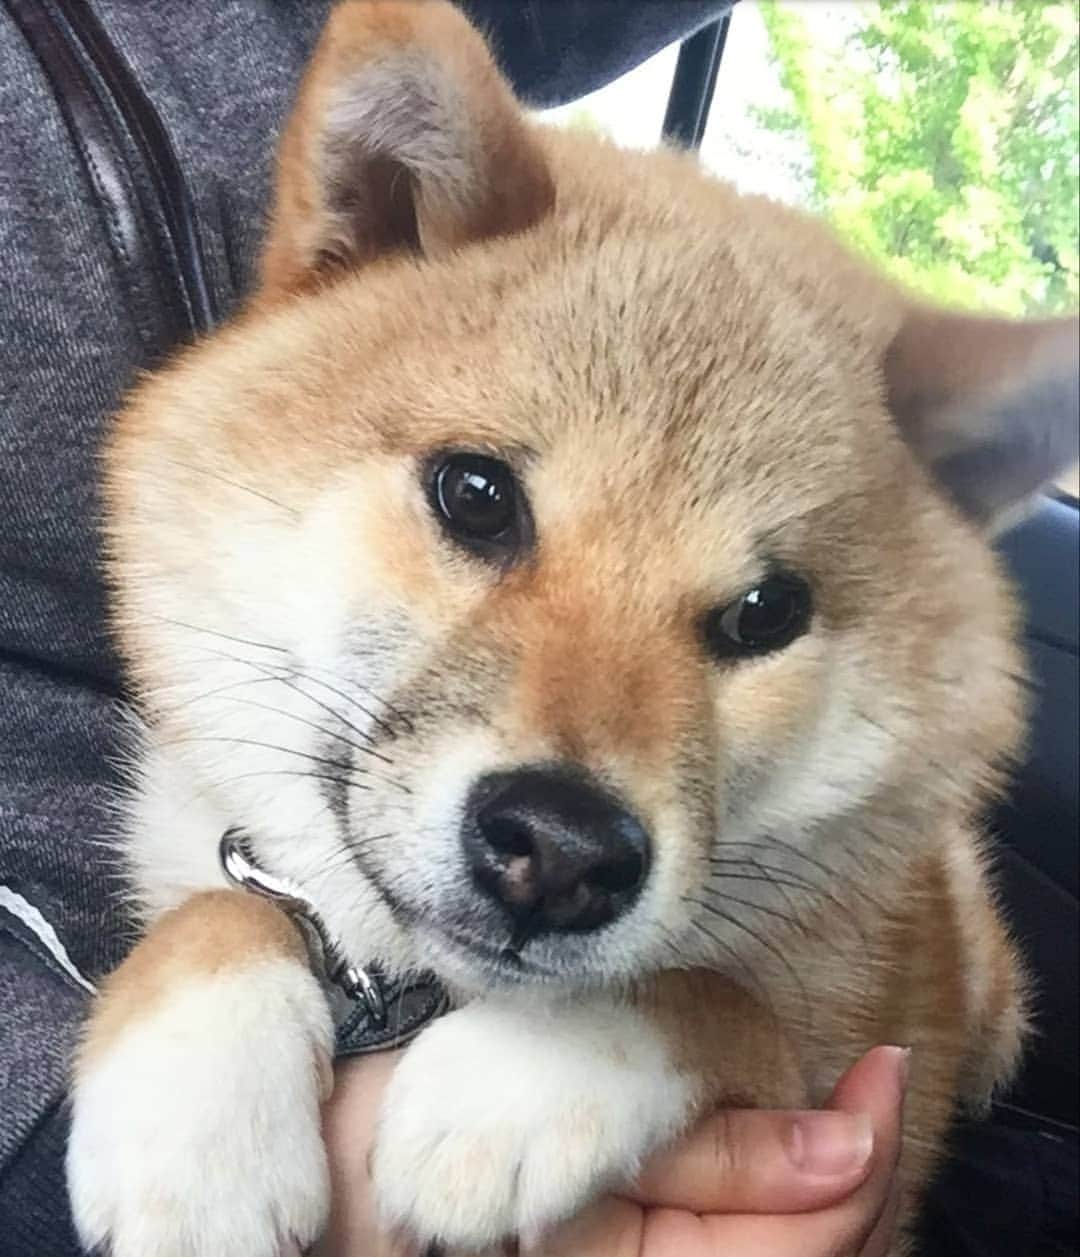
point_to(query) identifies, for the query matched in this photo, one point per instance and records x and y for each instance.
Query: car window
(941, 139)
(630, 110)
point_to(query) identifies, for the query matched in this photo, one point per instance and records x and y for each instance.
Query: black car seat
(1038, 826)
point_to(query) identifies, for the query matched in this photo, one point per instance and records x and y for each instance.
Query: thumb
(745, 1161)
(774, 1162)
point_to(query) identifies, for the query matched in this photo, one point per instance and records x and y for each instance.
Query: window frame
(694, 83)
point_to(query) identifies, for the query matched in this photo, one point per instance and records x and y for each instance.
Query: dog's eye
(476, 499)
(767, 617)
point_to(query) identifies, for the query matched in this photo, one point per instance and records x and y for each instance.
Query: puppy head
(565, 567)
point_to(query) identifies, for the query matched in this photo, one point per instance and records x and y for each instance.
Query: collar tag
(372, 1012)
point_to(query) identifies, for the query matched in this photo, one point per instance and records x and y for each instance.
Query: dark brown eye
(477, 500)
(768, 617)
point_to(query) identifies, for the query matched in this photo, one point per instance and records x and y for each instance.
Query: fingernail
(830, 1144)
(904, 1068)
(901, 1059)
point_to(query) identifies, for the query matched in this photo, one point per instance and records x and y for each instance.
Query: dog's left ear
(990, 405)
(404, 137)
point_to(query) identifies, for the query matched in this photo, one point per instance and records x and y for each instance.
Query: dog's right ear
(404, 137)
(991, 406)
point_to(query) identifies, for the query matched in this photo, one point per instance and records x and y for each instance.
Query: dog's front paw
(195, 1130)
(499, 1122)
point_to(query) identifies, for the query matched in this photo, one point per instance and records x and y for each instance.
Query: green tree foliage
(943, 141)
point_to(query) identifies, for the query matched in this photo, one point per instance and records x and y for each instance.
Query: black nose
(553, 850)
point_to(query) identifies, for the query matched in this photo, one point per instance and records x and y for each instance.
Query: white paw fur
(197, 1133)
(502, 1121)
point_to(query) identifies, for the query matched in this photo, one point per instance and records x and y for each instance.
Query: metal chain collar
(372, 1012)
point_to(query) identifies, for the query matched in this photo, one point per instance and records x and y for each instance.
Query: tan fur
(950, 356)
(502, 185)
(692, 379)
(215, 932)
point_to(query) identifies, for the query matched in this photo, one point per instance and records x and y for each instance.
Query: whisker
(307, 673)
(775, 913)
(771, 873)
(733, 955)
(311, 724)
(295, 671)
(228, 637)
(218, 690)
(760, 939)
(288, 772)
(782, 878)
(772, 842)
(357, 846)
(388, 729)
(235, 484)
(289, 750)
(671, 942)
(781, 885)
(287, 674)
(909, 743)
(290, 683)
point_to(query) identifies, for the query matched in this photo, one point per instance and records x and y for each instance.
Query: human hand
(731, 1185)
(349, 1121)
(745, 1182)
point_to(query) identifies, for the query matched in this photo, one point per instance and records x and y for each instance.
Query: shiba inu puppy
(574, 577)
